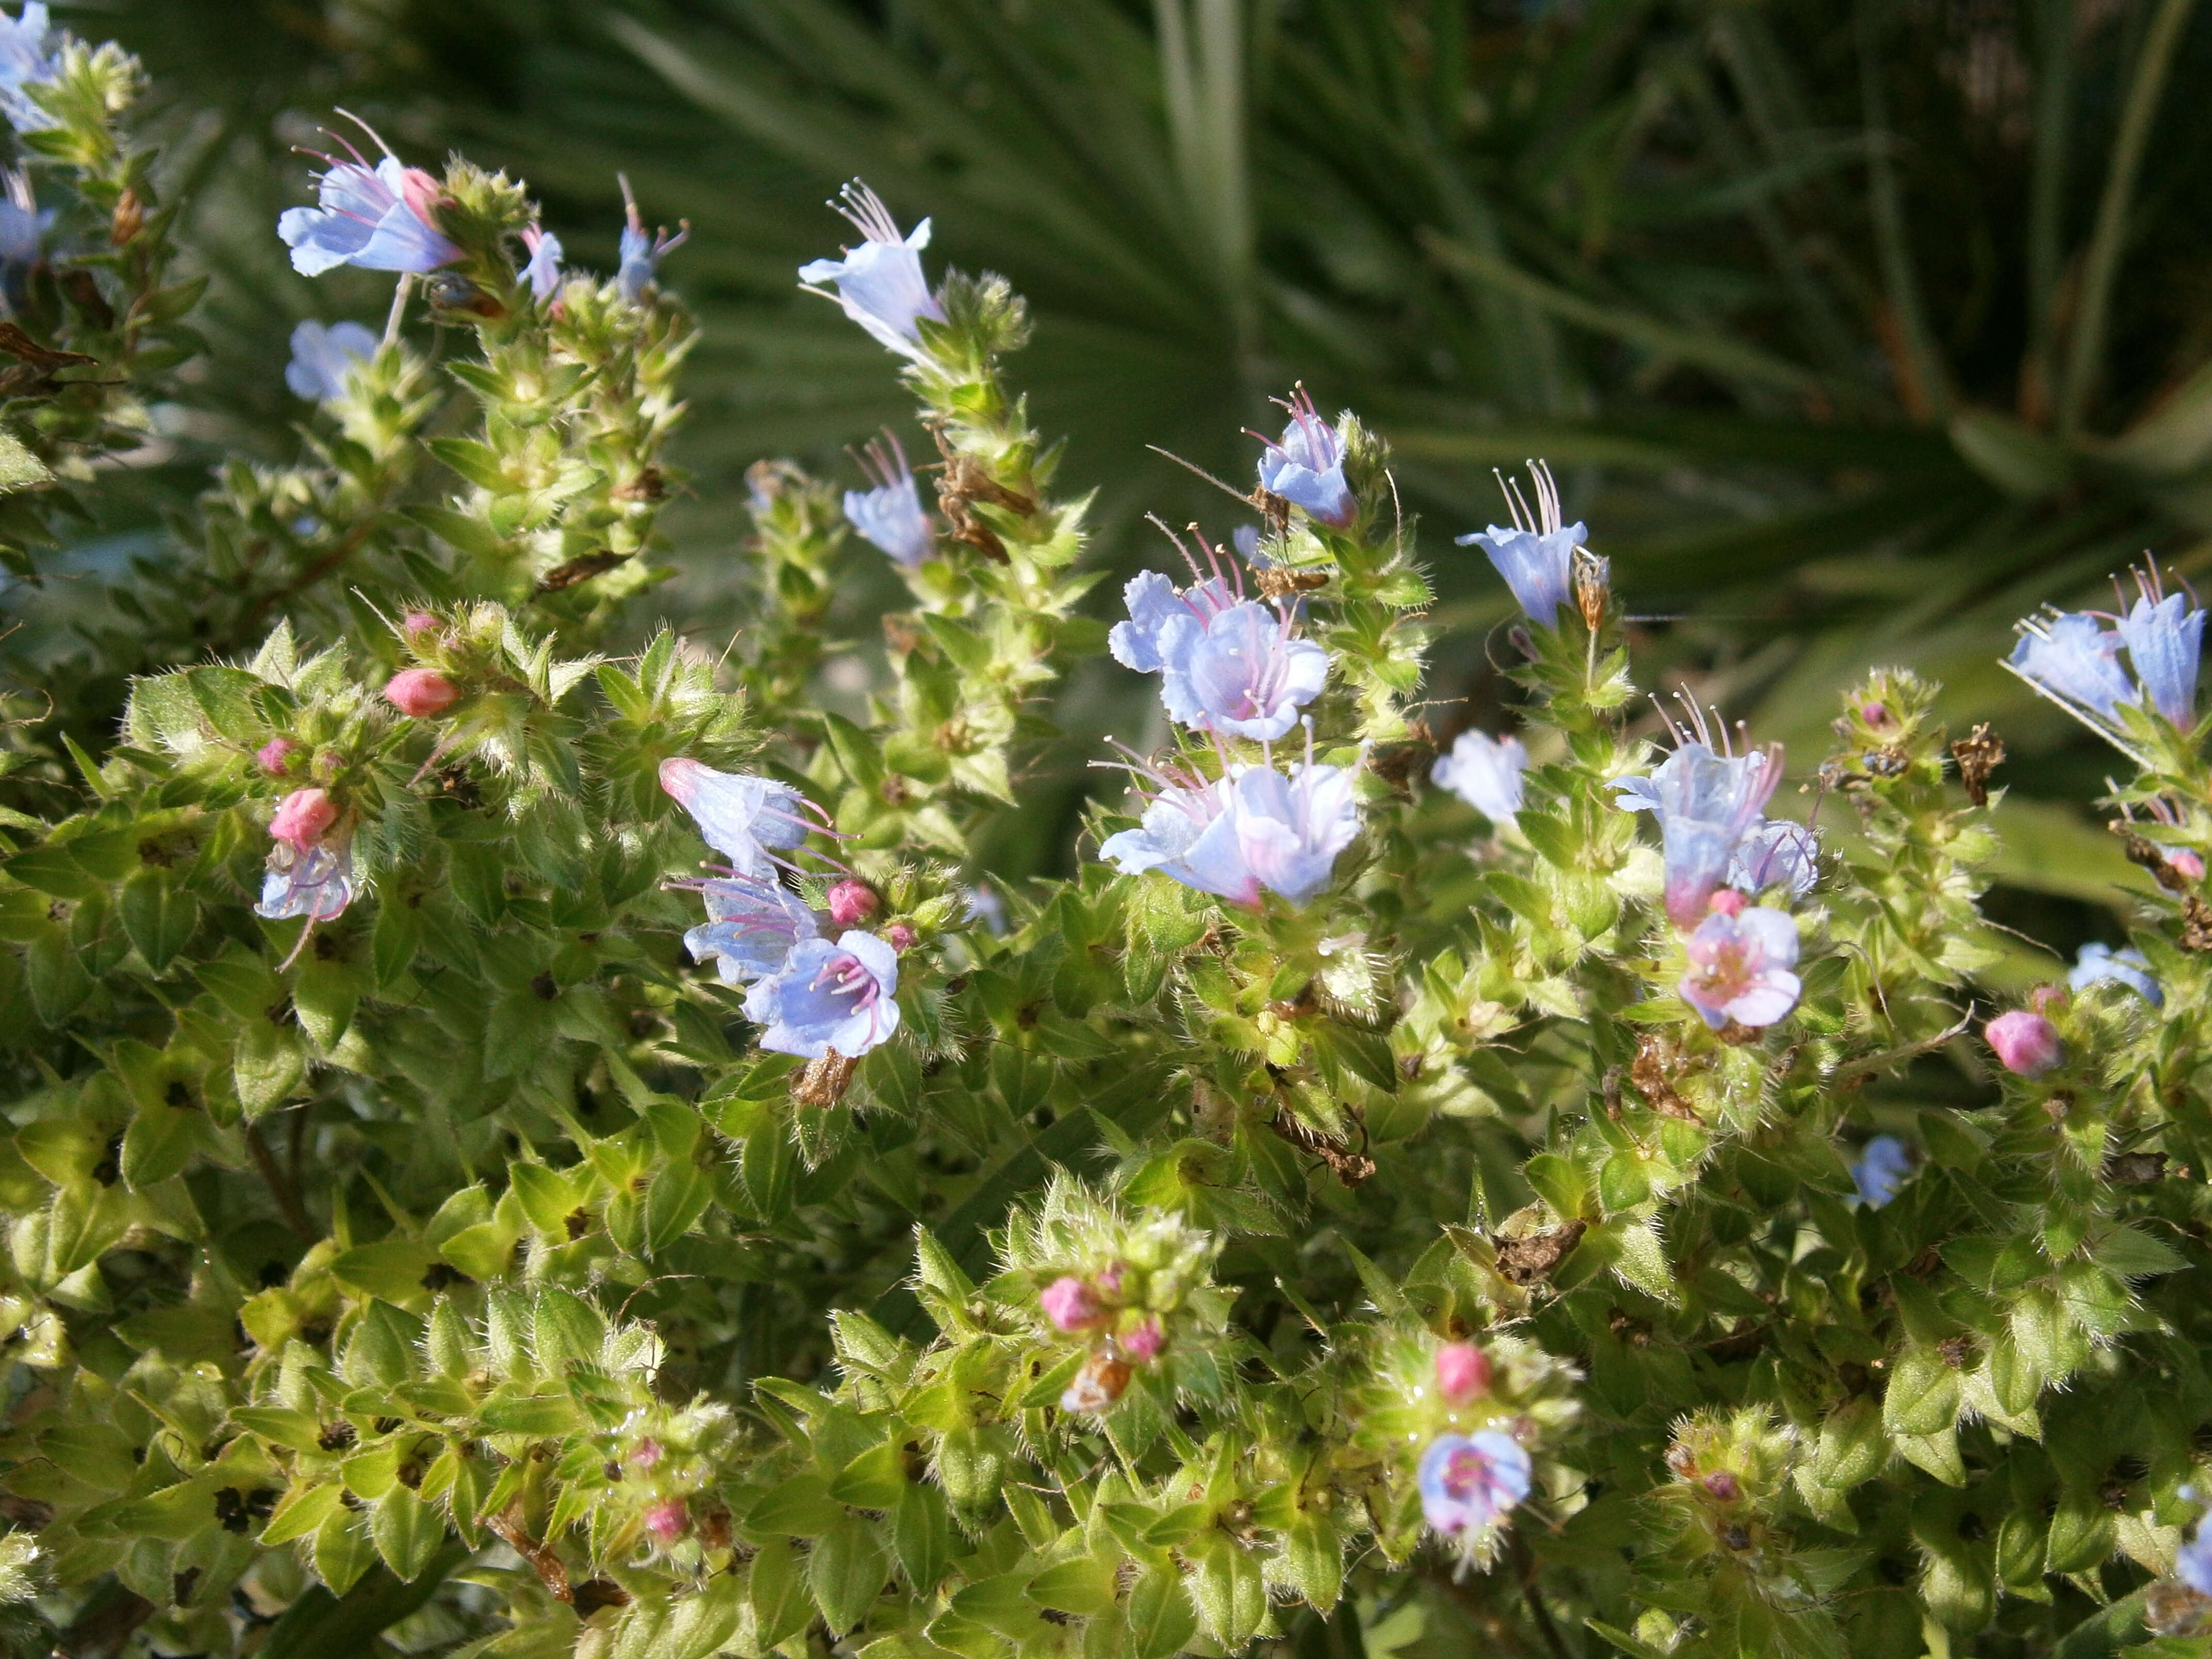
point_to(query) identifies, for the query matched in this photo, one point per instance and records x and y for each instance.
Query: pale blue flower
(640, 254)
(1882, 1166)
(30, 53)
(544, 270)
(1536, 556)
(1189, 834)
(2164, 633)
(316, 882)
(890, 515)
(1485, 772)
(323, 358)
(1706, 804)
(1306, 468)
(1238, 671)
(2192, 1563)
(1739, 967)
(1154, 601)
(1467, 1481)
(379, 218)
(2128, 966)
(879, 283)
(1776, 851)
(984, 905)
(1290, 830)
(751, 929)
(747, 819)
(2071, 658)
(829, 999)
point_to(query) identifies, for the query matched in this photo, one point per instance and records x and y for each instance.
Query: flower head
(1776, 852)
(827, 997)
(1467, 1481)
(379, 218)
(1155, 603)
(1463, 1373)
(303, 818)
(420, 694)
(315, 881)
(2164, 633)
(1740, 968)
(544, 270)
(742, 817)
(1485, 772)
(641, 254)
(29, 54)
(1070, 1304)
(1238, 671)
(1189, 833)
(2026, 1043)
(1306, 468)
(1883, 1163)
(2192, 1563)
(1706, 804)
(890, 515)
(323, 358)
(1290, 828)
(751, 929)
(2073, 658)
(1536, 556)
(2128, 966)
(879, 283)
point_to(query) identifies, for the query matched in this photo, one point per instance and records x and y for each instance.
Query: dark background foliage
(1856, 331)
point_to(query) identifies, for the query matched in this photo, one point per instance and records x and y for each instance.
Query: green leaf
(158, 920)
(800, 1507)
(846, 1572)
(777, 1588)
(407, 1532)
(1922, 1396)
(1559, 1182)
(1161, 1621)
(19, 468)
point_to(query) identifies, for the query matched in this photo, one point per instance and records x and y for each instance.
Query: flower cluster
(2073, 658)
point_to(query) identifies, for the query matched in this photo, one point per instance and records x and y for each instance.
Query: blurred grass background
(1855, 328)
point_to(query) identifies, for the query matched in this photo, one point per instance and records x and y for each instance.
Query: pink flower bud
(903, 938)
(1068, 1304)
(419, 621)
(1143, 1341)
(1728, 902)
(1876, 715)
(2187, 863)
(1722, 1484)
(303, 818)
(420, 694)
(2044, 999)
(645, 1454)
(275, 756)
(668, 1520)
(852, 902)
(1108, 1277)
(2027, 1044)
(1463, 1373)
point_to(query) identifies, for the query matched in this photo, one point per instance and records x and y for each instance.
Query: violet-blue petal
(29, 55)
(1240, 672)
(751, 929)
(2164, 640)
(739, 816)
(1290, 828)
(316, 884)
(323, 357)
(881, 286)
(1467, 1481)
(1775, 851)
(1539, 568)
(1883, 1163)
(891, 516)
(2076, 659)
(2128, 966)
(1190, 835)
(1485, 772)
(827, 997)
(1307, 468)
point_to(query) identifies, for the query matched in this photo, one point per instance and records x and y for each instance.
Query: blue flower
(829, 999)
(1485, 772)
(1706, 805)
(984, 905)
(316, 882)
(1238, 671)
(1189, 834)
(1883, 1165)
(1537, 556)
(641, 254)
(1467, 1481)
(2192, 1563)
(379, 218)
(890, 515)
(2128, 966)
(2073, 659)
(323, 358)
(879, 283)
(29, 55)
(742, 817)
(1290, 830)
(751, 929)
(23, 226)
(544, 270)
(1154, 601)
(1775, 850)
(2163, 633)
(1306, 468)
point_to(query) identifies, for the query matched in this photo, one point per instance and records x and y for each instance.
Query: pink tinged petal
(2026, 1043)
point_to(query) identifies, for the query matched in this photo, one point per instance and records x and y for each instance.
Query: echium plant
(521, 1150)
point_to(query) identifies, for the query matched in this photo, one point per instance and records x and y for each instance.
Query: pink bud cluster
(1124, 1336)
(420, 694)
(2026, 1043)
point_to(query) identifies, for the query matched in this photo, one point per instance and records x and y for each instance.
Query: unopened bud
(417, 623)
(852, 902)
(420, 694)
(2188, 863)
(275, 756)
(645, 1454)
(1728, 902)
(1876, 715)
(1143, 1341)
(303, 818)
(2027, 1044)
(128, 219)
(669, 1520)
(1723, 1485)
(1463, 1373)
(903, 938)
(1593, 587)
(1069, 1304)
